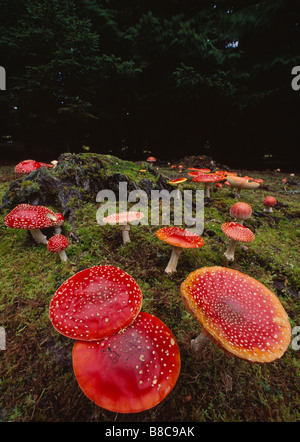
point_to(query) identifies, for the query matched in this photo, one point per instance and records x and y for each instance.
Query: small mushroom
(151, 160)
(130, 371)
(123, 219)
(207, 179)
(179, 239)
(237, 313)
(269, 202)
(95, 303)
(241, 212)
(58, 244)
(237, 233)
(176, 182)
(32, 218)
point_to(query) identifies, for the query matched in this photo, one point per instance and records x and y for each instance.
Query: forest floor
(37, 382)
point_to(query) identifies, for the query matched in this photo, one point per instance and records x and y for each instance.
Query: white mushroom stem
(199, 343)
(207, 190)
(63, 256)
(240, 221)
(238, 192)
(268, 209)
(172, 265)
(38, 236)
(125, 233)
(231, 249)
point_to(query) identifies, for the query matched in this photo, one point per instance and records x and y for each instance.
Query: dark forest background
(170, 77)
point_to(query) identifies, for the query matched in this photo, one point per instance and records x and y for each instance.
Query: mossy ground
(37, 381)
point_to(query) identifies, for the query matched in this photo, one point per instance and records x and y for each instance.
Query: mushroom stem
(172, 265)
(38, 236)
(207, 190)
(230, 251)
(63, 256)
(125, 233)
(199, 342)
(238, 192)
(268, 209)
(240, 221)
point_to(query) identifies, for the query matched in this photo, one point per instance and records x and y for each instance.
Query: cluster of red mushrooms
(128, 361)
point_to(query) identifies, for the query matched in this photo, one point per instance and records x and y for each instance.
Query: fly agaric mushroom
(238, 313)
(177, 182)
(179, 239)
(241, 212)
(269, 202)
(59, 222)
(240, 183)
(123, 219)
(151, 160)
(237, 233)
(58, 244)
(26, 166)
(95, 303)
(130, 371)
(207, 179)
(32, 218)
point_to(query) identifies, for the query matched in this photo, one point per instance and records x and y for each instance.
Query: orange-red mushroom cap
(177, 181)
(239, 314)
(27, 166)
(123, 217)
(95, 303)
(237, 232)
(207, 178)
(131, 371)
(270, 201)
(241, 210)
(180, 237)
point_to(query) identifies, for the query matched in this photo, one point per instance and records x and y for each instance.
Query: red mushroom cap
(180, 237)
(238, 313)
(26, 216)
(27, 166)
(237, 232)
(241, 210)
(207, 178)
(270, 201)
(95, 303)
(151, 159)
(131, 371)
(59, 220)
(123, 217)
(57, 243)
(177, 180)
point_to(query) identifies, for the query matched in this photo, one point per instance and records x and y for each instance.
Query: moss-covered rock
(78, 178)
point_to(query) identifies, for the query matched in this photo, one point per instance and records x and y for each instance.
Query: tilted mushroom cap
(238, 313)
(27, 166)
(177, 181)
(270, 201)
(131, 371)
(207, 178)
(241, 210)
(26, 216)
(57, 243)
(123, 217)
(237, 232)
(180, 237)
(242, 182)
(95, 303)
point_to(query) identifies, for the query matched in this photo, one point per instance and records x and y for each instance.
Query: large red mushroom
(130, 371)
(179, 239)
(238, 313)
(95, 303)
(32, 218)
